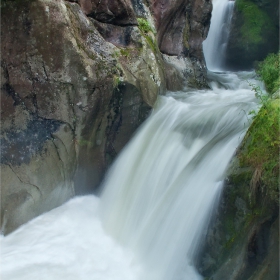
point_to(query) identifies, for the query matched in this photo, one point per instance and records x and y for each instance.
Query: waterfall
(158, 196)
(214, 47)
(156, 200)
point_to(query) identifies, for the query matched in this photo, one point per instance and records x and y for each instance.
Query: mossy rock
(254, 33)
(240, 242)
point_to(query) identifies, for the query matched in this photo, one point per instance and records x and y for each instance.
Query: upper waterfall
(214, 46)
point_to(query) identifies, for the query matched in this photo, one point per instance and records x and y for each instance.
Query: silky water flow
(214, 47)
(156, 200)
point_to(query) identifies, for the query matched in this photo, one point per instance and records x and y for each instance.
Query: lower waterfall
(156, 200)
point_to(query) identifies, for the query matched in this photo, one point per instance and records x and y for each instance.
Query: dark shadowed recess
(127, 112)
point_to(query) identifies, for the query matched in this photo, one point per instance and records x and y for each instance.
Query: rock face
(119, 12)
(77, 79)
(181, 28)
(254, 33)
(242, 242)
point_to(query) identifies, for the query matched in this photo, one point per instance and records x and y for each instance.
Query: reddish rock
(182, 25)
(119, 12)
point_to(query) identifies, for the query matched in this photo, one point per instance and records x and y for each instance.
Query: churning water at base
(156, 201)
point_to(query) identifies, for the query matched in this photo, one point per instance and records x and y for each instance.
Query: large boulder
(71, 100)
(182, 26)
(77, 79)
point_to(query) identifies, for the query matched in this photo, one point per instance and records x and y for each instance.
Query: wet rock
(183, 72)
(239, 243)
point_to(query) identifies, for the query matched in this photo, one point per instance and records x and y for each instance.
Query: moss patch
(255, 22)
(269, 71)
(262, 150)
(145, 26)
(146, 30)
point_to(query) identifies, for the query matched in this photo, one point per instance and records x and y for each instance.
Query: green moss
(145, 26)
(145, 29)
(269, 72)
(153, 45)
(261, 151)
(116, 81)
(260, 148)
(84, 143)
(255, 22)
(241, 178)
(186, 35)
(125, 52)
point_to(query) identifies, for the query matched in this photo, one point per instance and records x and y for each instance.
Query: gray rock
(78, 78)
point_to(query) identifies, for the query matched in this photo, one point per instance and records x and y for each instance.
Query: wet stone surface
(20, 146)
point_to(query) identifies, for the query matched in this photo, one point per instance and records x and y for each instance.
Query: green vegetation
(255, 22)
(122, 52)
(260, 148)
(84, 143)
(269, 71)
(145, 26)
(116, 81)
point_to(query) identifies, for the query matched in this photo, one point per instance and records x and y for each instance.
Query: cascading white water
(158, 196)
(214, 46)
(156, 202)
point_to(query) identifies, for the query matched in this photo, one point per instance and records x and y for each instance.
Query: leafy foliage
(269, 72)
(260, 148)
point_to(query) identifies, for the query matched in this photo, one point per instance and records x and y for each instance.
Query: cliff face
(77, 79)
(243, 240)
(181, 28)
